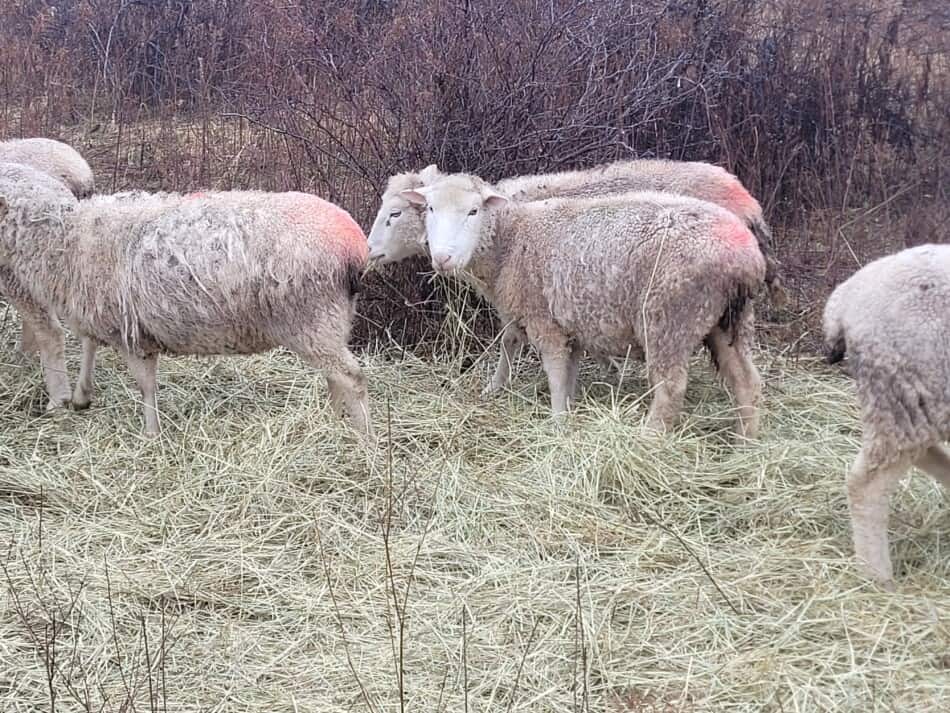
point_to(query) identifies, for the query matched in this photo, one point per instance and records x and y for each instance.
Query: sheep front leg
(144, 370)
(51, 342)
(936, 463)
(85, 384)
(512, 339)
(869, 491)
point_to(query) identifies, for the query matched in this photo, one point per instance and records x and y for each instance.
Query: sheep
(649, 274)
(398, 232)
(892, 320)
(216, 273)
(56, 159)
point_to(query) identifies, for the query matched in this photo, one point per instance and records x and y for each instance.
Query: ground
(241, 561)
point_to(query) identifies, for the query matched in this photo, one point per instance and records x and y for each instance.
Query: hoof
(80, 405)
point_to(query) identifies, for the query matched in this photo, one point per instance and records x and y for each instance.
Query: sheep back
(607, 269)
(892, 320)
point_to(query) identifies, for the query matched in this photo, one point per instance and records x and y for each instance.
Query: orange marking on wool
(337, 229)
(195, 194)
(735, 234)
(738, 199)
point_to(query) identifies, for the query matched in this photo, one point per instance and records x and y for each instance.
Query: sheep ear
(416, 196)
(495, 200)
(430, 173)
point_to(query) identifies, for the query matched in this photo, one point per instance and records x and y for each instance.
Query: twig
(653, 521)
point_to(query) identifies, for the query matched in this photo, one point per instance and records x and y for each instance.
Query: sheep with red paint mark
(647, 274)
(220, 273)
(398, 232)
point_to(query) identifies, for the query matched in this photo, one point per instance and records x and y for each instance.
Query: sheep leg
(741, 378)
(869, 492)
(347, 386)
(28, 343)
(512, 339)
(85, 384)
(936, 462)
(557, 365)
(573, 369)
(143, 371)
(51, 343)
(669, 390)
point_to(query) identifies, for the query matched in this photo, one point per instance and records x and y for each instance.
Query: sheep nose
(441, 261)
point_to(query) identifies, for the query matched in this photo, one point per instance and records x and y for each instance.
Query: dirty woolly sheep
(203, 274)
(62, 162)
(892, 320)
(398, 232)
(564, 271)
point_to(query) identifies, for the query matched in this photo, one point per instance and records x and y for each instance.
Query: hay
(598, 568)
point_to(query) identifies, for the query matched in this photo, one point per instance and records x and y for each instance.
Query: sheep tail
(778, 295)
(353, 278)
(835, 347)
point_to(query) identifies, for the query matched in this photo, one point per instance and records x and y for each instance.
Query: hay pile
(240, 562)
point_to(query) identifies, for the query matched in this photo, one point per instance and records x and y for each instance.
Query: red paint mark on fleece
(734, 234)
(738, 200)
(337, 231)
(194, 195)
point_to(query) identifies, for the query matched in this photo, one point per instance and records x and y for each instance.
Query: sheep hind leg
(740, 376)
(557, 365)
(144, 371)
(869, 492)
(512, 339)
(28, 343)
(347, 386)
(573, 369)
(85, 384)
(669, 391)
(936, 462)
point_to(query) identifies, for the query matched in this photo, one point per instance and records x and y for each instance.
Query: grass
(256, 558)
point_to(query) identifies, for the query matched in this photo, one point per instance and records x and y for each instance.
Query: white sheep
(215, 273)
(892, 319)
(398, 232)
(62, 162)
(54, 158)
(649, 274)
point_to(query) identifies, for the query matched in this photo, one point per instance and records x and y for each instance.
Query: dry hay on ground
(534, 569)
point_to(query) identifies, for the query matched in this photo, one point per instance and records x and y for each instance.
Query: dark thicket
(835, 113)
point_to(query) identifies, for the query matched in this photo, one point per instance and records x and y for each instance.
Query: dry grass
(563, 560)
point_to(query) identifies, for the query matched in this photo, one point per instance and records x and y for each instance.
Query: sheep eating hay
(60, 161)
(54, 158)
(215, 273)
(643, 273)
(398, 231)
(892, 319)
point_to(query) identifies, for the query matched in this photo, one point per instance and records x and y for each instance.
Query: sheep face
(398, 233)
(460, 218)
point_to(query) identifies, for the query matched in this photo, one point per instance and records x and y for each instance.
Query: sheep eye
(395, 214)
(430, 208)
(473, 211)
